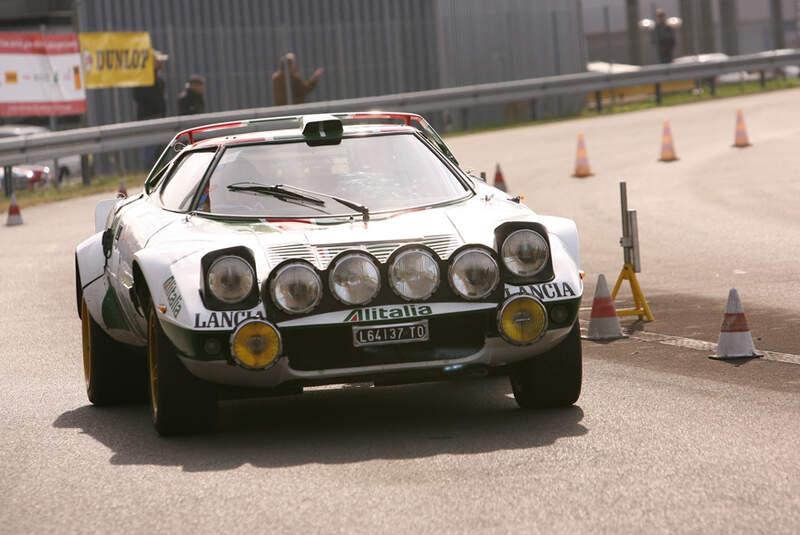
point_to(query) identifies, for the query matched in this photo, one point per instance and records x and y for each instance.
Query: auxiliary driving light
(522, 320)
(255, 344)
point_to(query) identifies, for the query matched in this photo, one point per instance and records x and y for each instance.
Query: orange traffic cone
(499, 181)
(667, 145)
(582, 160)
(603, 322)
(740, 140)
(735, 340)
(14, 215)
(122, 192)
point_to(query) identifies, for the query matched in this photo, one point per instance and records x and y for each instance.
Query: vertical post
(8, 180)
(729, 27)
(556, 51)
(762, 79)
(632, 32)
(598, 98)
(776, 17)
(607, 26)
(76, 26)
(287, 79)
(623, 197)
(712, 84)
(633, 229)
(658, 93)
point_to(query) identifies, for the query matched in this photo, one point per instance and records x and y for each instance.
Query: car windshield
(382, 173)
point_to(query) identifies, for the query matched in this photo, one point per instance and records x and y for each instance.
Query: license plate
(396, 333)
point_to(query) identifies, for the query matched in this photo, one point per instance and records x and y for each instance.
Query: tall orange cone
(14, 215)
(582, 169)
(667, 145)
(740, 140)
(735, 340)
(603, 323)
(122, 192)
(499, 181)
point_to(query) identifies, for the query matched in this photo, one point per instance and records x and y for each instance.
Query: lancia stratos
(271, 255)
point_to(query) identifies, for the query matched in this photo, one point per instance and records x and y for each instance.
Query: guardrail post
(658, 93)
(86, 176)
(598, 98)
(8, 181)
(762, 78)
(712, 85)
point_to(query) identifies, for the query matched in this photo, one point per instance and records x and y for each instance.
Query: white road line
(701, 345)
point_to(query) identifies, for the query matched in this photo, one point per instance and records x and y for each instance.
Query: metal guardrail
(40, 147)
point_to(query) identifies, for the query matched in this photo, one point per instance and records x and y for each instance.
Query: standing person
(151, 103)
(190, 100)
(664, 37)
(299, 87)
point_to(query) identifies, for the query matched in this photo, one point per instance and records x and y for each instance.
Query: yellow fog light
(255, 344)
(522, 320)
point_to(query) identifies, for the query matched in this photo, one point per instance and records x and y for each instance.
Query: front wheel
(114, 372)
(180, 402)
(552, 379)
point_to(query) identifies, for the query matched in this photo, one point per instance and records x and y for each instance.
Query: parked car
(27, 177)
(67, 165)
(321, 250)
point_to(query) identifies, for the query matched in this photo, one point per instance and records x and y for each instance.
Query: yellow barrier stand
(641, 309)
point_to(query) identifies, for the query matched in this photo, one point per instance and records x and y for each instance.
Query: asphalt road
(662, 440)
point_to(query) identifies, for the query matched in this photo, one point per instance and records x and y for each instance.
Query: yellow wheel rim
(86, 335)
(152, 360)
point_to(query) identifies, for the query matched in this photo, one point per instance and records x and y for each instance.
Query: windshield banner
(117, 59)
(40, 75)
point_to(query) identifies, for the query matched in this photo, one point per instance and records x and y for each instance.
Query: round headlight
(255, 344)
(522, 320)
(525, 252)
(296, 288)
(414, 274)
(355, 279)
(474, 274)
(230, 279)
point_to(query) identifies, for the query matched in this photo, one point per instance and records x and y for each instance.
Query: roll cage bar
(303, 122)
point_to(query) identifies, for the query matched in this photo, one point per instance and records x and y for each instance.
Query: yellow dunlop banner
(116, 59)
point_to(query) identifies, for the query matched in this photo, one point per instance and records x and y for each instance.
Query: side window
(177, 192)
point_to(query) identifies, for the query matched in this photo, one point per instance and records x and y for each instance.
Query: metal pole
(86, 176)
(287, 79)
(625, 240)
(8, 180)
(658, 93)
(633, 228)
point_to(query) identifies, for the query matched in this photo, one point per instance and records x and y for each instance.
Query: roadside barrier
(667, 145)
(499, 181)
(122, 192)
(740, 139)
(735, 340)
(631, 258)
(582, 169)
(603, 322)
(14, 215)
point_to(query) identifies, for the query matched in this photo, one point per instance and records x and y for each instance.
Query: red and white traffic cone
(499, 181)
(667, 145)
(122, 192)
(14, 215)
(740, 140)
(735, 340)
(603, 323)
(582, 169)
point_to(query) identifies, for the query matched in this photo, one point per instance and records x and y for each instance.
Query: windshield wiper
(275, 191)
(360, 208)
(293, 192)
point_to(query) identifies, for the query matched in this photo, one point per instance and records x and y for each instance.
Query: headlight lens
(255, 344)
(230, 279)
(474, 274)
(525, 252)
(296, 288)
(355, 279)
(522, 320)
(414, 274)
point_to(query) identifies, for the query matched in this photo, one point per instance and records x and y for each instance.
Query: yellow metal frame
(642, 309)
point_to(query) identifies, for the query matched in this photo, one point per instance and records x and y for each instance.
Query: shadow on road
(336, 426)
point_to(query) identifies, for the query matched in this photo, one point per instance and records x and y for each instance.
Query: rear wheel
(114, 372)
(552, 379)
(180, 402)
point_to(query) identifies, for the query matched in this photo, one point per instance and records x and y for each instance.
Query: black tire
(552, 379)
(180, 403)
(115, 373)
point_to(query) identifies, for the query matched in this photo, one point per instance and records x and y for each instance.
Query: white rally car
(269, 255)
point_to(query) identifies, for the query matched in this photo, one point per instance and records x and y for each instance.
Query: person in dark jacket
(190, 100)
(664, 37)
(151, 101)
(299, 87)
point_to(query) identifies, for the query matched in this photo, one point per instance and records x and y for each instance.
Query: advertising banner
(117, 59)
(40, 75)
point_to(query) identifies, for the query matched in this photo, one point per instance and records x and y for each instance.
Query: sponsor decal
(225, 319)
(174, 298)
(116, 59)
(387, 313)
(548, 291)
